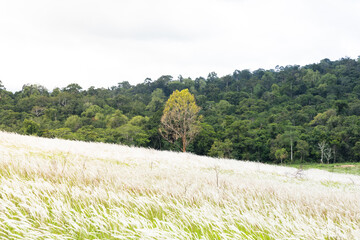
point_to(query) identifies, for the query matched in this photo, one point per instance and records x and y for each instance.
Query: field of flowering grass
(58, 189)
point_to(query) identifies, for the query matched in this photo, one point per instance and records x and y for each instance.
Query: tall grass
(57, 189)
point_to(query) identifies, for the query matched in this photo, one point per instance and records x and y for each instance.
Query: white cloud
(100, 43)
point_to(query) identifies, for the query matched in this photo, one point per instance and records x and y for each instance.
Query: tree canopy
(180, 118)
(275, 115)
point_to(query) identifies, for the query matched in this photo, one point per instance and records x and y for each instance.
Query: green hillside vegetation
(292, 114)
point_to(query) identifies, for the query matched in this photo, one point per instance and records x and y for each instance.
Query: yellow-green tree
(180, 118)
(281, 154)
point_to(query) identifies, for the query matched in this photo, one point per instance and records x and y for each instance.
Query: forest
(284, 115)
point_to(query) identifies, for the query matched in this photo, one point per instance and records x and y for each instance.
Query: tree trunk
(322, 146)
(322, 155)
(291, 150)
(184, 144)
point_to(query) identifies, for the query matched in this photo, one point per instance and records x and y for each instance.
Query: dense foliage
(180, 118)
(284, 114)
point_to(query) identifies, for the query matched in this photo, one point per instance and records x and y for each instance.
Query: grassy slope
(64, 190)
(348, 168)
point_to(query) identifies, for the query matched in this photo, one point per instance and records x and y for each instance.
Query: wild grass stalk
(57, 189)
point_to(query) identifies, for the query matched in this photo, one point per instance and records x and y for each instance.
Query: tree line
(287, 114)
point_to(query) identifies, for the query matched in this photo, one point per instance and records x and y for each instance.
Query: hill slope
(63, 189)
(274, 115)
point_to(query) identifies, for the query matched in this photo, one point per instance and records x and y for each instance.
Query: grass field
(348, 168)
(57, 189)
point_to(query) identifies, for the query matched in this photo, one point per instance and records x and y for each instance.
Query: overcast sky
(100, 43)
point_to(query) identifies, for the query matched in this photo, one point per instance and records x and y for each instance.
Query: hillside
(61, 189)
(276, 115)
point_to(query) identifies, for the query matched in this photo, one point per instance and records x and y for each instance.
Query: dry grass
(57, 189)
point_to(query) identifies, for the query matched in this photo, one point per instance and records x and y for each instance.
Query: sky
(101, 43)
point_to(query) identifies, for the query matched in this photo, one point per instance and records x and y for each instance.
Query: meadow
(59, 189)
(341, 167)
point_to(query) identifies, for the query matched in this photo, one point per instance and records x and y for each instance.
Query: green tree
(51, 114)
(139, 121)
(289, 137)
(222, 149)
(38, 111)
(180, 118)
(64, 133)
(130, 134)
(223, 107)
(356, 151)
(30, 127)
(91, 111)
(73, 88)
(73, 122)
(303, 149)
(157, 100)
(116, 120)
(281, 154)
(204, 140)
